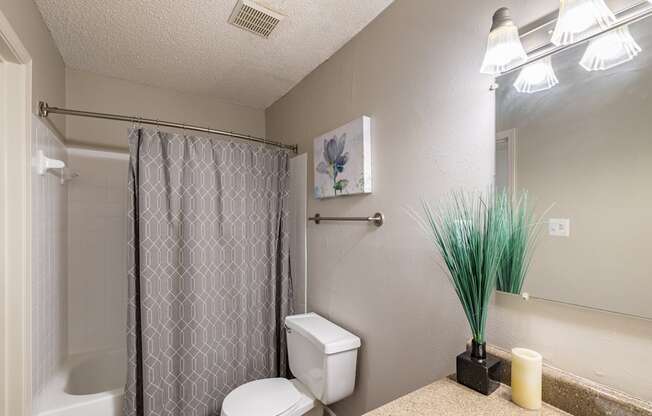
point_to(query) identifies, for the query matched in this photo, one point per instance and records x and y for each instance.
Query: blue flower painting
(343, 160)
(334, 161)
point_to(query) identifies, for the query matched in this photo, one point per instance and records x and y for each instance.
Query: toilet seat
(268, 397)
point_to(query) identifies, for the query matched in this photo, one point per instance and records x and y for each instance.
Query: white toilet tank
(322, 356)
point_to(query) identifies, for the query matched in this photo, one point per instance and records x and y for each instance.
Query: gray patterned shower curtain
(209, 279)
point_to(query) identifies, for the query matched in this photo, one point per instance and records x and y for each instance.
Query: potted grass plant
(469, 232)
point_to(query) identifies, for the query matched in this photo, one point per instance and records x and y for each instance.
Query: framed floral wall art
(343, 160)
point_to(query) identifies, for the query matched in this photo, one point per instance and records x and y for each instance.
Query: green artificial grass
(469, 231)
(522, 231)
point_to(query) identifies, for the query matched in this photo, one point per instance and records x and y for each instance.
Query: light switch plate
(559, 227)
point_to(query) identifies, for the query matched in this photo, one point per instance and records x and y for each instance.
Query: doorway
(15, 214)
(505, 161)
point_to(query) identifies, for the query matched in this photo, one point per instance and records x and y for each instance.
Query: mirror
(583, 148)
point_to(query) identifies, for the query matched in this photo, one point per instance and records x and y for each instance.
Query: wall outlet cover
(559, 227)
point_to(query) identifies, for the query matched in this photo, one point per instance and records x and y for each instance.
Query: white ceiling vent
(255, 18)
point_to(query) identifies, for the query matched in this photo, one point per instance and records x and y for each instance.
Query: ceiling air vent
(255, 18)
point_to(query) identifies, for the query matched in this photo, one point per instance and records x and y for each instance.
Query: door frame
(511, 138)
(15, 223)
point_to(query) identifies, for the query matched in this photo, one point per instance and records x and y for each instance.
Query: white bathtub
(89, 384)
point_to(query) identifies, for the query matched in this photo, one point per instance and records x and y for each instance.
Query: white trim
(11, 40)
(298, 233)
(99, 153)
(511, 137)
(15, 225)
(3, 319)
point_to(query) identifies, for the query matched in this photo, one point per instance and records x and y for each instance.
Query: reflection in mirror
(521, 232)
(576, 133)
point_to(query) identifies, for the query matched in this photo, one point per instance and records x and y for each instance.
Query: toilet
(322, 357)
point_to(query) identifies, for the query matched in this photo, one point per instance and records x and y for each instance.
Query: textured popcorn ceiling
(188, 45)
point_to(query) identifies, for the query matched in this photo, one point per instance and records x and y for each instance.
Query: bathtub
(88, 384)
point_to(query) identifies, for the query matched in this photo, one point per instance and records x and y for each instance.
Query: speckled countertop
(447, 398)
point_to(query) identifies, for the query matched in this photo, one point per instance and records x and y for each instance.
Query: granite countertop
(447, 398)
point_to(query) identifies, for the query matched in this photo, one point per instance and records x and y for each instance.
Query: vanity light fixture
(609, 50)
(537, 76)
(504, 48)
(578, 16)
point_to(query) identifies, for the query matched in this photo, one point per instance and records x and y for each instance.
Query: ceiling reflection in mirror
(575, 131)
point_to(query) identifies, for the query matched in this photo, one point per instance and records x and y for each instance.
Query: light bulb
(578, 16)
(537, 76)
(504, 48)
(609, 50)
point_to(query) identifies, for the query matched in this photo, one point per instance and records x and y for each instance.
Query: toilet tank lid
(324, 334)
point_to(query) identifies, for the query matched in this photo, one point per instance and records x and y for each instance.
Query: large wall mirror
(582, 148)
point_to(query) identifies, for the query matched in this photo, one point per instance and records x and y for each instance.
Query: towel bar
(378, 219)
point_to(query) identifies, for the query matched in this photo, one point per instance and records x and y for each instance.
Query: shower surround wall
(78, 256)
(97, 277)
(49, 262)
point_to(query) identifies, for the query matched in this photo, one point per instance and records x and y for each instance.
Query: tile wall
(49, 260)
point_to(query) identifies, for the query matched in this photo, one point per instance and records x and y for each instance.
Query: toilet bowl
(269, 397)
(322, 357)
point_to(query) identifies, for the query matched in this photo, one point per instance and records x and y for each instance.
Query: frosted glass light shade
(578, 16)
(504, 48)
(609, 50)
(537, 76)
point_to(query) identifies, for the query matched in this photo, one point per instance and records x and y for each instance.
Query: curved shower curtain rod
(45, 110)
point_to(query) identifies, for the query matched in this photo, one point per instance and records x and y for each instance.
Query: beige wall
(414, 70)
(604, 347)
(90, 92)
(48, 79)
(432, 131)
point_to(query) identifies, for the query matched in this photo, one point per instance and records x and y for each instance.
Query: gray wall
(414, 70)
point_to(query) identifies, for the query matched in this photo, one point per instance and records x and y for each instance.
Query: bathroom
(117, 79)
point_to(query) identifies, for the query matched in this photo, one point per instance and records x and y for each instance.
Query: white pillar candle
(526, 378)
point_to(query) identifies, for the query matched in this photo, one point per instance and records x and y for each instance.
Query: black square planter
(478, 373)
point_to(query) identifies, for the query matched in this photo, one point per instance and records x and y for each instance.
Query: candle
(526, 378)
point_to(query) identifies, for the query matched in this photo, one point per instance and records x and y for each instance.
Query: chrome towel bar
(378, 219)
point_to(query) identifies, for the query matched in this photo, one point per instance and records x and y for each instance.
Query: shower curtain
(209, 279)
